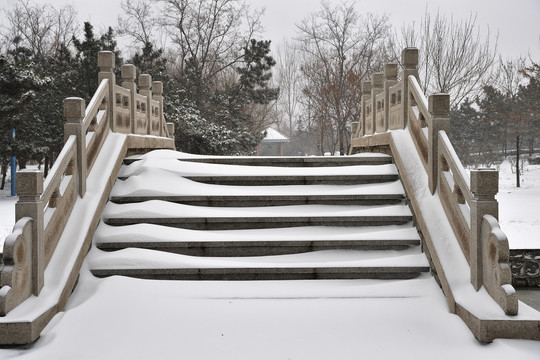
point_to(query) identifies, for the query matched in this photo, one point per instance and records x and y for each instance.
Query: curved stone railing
(469, 202)
(45, 206)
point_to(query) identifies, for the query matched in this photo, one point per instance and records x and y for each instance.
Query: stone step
(147, 264)
(270, 180)
(170, 170)
(284, 161)
(258, 248)
(224, 223)
(276, 180)
(276, 241)
(266, 200)
(215, 218)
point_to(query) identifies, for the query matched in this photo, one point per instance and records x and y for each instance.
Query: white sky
(517, 21)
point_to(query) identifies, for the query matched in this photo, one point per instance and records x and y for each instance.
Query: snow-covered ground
(519, 208)
(7, 211)
(123, 318)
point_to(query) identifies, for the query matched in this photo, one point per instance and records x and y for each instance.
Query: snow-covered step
(223, 218)
(281, 161)
(161, 185)
(184, 217)
(256, 242)
(267, 200)
(148, 264)
(295, 180)
(261, 175)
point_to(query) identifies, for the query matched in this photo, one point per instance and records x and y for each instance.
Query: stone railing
(469, 202)
(44, 207)
(525, 267)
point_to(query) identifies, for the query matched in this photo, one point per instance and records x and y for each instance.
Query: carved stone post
(74, 110)
(390, 79)
(409, 59)
(170, 130)
(366, 93)
(484, 186)
(145, 82)
(106, 66)
(157, 94)
(439, 108)
(29, 189)
(377, 84)
(354, 129)
(129, 73)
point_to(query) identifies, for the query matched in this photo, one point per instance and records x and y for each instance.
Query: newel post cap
(74, 109)
(106, 61)
(484, 182)
(145, 81)
(439, 105)
(128, 72)
(409, 57)
(29, 182)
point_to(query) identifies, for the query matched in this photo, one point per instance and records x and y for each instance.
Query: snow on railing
(44, 207)
(469, 202)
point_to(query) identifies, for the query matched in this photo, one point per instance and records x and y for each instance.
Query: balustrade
(469, 202)
(44, 207)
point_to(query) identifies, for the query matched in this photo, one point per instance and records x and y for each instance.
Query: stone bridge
(404, 189)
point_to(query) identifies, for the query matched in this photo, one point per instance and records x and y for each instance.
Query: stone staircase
(179, 217)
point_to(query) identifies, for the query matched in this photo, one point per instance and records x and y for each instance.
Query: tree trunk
(46, 167)
(341, 141)
(4, 174)
(22, 162)
(517, 161)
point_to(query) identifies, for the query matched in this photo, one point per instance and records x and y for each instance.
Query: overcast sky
(517, 21)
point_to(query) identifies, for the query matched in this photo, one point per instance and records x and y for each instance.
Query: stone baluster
(439, 108)
(377, 84)
(29, 189)
(145, 82)
(366, 93)
(74, 110)
(129, 74)
(484, 187)
(106, 65)
(170, 129)
(354, 129)
(157, 94)
(409, 60)
(390, 79)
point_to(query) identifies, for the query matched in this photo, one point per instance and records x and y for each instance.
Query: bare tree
(339, 49)
(211, 33)
(455, 58)
(288, 79)
(138, 22)
(41, 28)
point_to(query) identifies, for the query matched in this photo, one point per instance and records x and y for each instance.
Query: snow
(171, 154)
(519, 212)
(172, 184)
(189, 168)
(274, 136)
(124, 318)
(7, 213)
(261, 320)
(142, 258)
(150, 232)
(165, 209)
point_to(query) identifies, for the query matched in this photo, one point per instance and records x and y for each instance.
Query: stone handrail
(469, 202)
(44, 206)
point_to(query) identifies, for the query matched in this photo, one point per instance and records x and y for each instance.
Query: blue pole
(13, 166)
